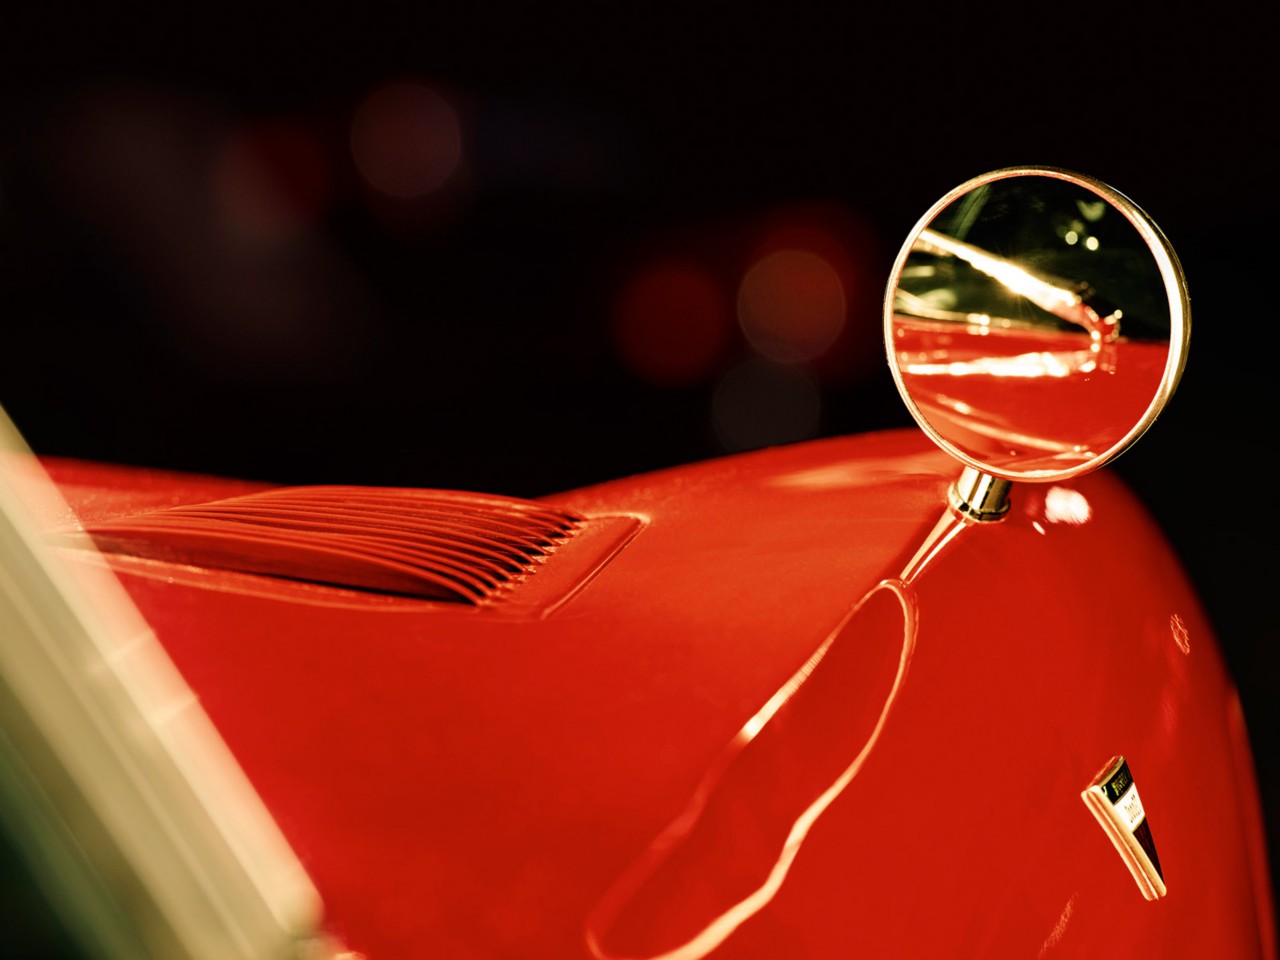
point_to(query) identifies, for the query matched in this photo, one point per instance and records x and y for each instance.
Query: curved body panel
(764, 712)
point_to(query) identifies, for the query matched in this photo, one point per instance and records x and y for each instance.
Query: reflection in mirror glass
(1030, 323)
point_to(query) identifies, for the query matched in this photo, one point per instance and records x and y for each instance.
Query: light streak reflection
(1024, 365)
(730, 778)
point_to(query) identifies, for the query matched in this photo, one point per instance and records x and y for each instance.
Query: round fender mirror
(1036, 322)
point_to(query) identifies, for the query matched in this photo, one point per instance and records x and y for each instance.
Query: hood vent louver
(428, 544)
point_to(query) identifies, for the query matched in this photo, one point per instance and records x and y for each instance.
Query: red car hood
(671, 733)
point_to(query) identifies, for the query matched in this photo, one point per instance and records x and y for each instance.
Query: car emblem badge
(1113, 799)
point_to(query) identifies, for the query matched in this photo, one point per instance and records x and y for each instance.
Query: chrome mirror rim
(1175, 287)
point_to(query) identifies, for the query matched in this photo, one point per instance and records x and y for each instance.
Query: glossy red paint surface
(490, 782)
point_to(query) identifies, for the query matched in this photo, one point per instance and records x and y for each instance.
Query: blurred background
(522, 248)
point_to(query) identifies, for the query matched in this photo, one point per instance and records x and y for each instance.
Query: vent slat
(498, 554)
(442, 501)
(479, 529)
(374, 548)
(280, 558)
(441, 545)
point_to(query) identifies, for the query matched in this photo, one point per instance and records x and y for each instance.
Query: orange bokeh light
(843, 240)
(791, 305)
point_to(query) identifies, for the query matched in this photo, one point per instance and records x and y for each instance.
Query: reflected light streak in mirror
(1043, 364)
(1000, 436)
(1059, 301)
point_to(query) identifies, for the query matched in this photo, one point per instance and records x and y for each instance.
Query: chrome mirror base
(979, 496)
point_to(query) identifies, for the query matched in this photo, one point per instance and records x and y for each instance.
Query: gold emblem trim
(1113, 799)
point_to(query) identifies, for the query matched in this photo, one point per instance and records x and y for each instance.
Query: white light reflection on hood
(1063, 505)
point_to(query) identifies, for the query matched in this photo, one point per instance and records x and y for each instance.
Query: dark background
(197, 272)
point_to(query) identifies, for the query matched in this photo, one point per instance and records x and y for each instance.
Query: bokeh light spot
(791, 305)
(272, 179)
(761, 404)
(406, 140)
(671, 324)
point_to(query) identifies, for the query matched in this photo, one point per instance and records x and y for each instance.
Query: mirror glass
(1036, 322)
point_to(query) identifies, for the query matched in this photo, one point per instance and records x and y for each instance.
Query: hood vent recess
(430, 544)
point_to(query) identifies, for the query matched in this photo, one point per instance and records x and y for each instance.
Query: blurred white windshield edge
(143, 831)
